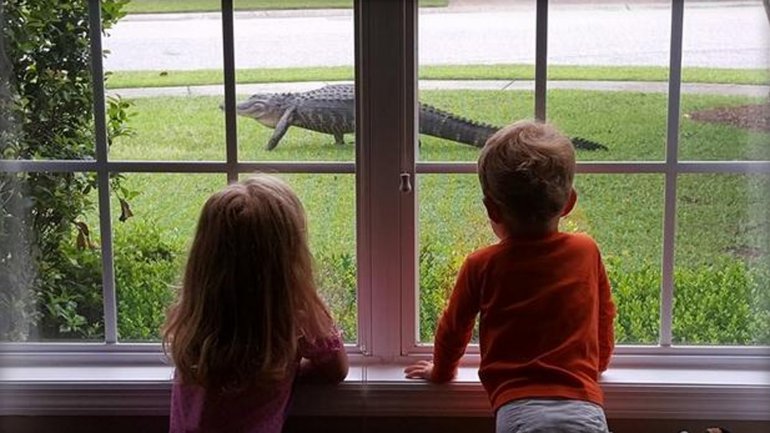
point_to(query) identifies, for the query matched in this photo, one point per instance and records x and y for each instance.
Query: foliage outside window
(50, 267)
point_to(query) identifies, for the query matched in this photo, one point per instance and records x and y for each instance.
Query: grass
(173, 6)
(132, 79)
(722, 239)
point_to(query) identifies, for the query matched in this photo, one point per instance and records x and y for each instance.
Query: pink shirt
(254, 410)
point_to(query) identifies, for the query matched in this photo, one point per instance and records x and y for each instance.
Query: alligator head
(266, 108)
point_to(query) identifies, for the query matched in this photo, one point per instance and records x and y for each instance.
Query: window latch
(406, 183)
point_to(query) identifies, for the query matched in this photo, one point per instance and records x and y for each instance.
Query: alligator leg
(281, 127)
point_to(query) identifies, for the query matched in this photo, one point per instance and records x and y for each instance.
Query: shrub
(439, 263)
(726, 303)
(146, 268)
(46, 103)
(336, 277)
(71, 298)
(636, 293)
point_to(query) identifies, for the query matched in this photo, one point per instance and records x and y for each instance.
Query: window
(651, 208)
(677, 203)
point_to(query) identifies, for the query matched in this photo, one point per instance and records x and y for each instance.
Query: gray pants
(550, 416)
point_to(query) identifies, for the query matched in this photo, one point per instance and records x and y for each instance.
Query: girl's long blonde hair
(248, 291)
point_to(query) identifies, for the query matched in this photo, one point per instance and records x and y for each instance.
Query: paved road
(716, 34)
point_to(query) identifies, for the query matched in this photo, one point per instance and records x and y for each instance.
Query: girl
(248, 318)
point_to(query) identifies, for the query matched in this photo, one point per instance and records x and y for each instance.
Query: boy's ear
(493, 210)
(570, 202)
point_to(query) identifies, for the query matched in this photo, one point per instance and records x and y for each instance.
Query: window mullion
(362, 197)
(228, 50)
(103, 175)
(385, 81)
(409, 184)
(541, 59)
(672, 148)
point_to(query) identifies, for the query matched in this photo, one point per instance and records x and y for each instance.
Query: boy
(546, 309)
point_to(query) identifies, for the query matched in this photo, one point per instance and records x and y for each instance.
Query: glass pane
(46, 96)
(495, 107)
(623, 214)
(278, 58)
(453, 223)
(154, 220)
(50, 260)
(151, 246)
(607, 72)
(329, 202)
(632, 125)
(476, 67)
(725, 109)
(169, 71)
(178, 128)
(722, 278)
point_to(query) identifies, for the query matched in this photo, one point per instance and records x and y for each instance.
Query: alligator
(330, 110)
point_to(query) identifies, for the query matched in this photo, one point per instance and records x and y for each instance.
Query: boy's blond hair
(527, 169)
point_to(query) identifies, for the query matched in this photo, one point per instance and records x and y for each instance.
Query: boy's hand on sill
(419, 370)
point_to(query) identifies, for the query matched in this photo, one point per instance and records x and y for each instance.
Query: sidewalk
(607, 86)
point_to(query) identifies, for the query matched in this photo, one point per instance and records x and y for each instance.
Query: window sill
(381, 390)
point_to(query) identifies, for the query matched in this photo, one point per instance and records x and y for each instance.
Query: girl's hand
(419, 370)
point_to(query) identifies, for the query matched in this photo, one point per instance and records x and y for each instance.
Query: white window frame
(386, 139)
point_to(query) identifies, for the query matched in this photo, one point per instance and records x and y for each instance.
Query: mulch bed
(752, 117)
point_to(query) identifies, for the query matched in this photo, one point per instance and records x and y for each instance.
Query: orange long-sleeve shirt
(546, 325)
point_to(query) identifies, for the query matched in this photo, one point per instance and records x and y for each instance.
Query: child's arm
(606, 319)
(331, 370)
(323, 361)
(453, 333)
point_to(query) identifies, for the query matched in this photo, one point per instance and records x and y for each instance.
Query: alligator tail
(442, 124)
(582, 143)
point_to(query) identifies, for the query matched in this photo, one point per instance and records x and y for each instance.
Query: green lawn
(130, 79)
(722, 238)
(172, 6)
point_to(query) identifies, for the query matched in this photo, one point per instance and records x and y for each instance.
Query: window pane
(295, 52)
(151, 246)
(632, 125)
(495, 107)
(172, 128)
(329, 204)
(46, 95)
(153, 228)
(477, 68)
(453, 223)
(50, 261)
(607, 72)
(722, 275)
(170, 71)
(725, 109)
(623, 214)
